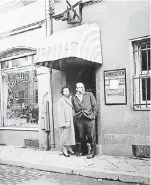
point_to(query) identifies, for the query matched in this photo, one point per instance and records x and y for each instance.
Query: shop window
(142, 76)
(20, 94)
(4, 64)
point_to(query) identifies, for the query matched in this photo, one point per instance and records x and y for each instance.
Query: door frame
(97, 75)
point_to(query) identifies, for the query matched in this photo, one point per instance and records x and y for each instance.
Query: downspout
(49, 9)
(49, 20)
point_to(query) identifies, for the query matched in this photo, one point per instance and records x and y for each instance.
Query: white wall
(22, 16)
(119, 22)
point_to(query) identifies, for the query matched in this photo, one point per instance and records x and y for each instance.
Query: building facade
(116, 69)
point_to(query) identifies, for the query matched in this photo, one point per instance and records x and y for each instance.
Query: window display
(20, 93)
(22, 104)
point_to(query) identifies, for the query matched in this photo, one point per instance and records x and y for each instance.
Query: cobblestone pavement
(12, 175)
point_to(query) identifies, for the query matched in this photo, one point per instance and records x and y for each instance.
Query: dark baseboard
(142, 151)
(31, 143)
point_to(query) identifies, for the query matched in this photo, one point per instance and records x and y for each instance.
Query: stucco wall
(119, 22)
(21, 15)
(16, 137)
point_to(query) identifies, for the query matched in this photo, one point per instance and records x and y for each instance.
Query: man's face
(80, 88)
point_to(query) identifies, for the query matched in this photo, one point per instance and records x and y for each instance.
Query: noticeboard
(115, 87)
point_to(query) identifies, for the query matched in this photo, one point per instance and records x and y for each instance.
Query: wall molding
(10, 5)
(22, 29)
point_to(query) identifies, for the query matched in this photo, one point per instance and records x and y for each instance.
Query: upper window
(142, 70)
(23, 61)
(16, 57)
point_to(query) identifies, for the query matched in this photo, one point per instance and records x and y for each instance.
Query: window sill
(142, 108)
(19, 128)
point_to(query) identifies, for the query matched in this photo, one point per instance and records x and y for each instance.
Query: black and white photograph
(75, 92)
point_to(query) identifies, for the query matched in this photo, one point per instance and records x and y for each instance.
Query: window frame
(4, 72)
(10, 59)
(139, 74)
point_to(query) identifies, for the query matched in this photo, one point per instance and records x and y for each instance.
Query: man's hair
(80, 83)
(65, 87)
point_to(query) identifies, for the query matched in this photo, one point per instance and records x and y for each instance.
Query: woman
(65, 121)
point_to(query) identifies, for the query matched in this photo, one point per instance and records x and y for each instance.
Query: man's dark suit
(85, 112)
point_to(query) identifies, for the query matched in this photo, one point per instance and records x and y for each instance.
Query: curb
(107, 175)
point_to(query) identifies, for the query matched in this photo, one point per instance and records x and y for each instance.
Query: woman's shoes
(70, 152)
(66, 155)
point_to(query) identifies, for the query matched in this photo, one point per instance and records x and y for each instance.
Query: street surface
(12, 175)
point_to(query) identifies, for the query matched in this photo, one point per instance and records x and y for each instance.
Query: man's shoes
(90, 156)
(79, 154)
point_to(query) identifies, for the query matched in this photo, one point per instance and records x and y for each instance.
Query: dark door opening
(85, 74)
(81, 74)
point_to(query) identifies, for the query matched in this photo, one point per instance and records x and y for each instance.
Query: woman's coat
(65, 121)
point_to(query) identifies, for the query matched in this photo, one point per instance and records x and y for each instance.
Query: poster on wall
(115, 87)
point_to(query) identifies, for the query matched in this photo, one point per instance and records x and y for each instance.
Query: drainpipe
(49, 9)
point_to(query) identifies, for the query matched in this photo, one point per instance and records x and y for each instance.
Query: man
(85, 108)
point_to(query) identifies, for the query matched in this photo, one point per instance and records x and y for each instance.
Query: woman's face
(66, 92)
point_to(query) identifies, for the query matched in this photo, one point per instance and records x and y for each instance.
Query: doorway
(85, 74)
(81, 74)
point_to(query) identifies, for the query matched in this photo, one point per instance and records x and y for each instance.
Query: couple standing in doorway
(76, 118)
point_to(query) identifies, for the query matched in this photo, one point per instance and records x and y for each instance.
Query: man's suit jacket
(87, 107)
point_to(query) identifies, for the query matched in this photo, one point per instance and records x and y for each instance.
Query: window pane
(4, 64)
(145, 59)
(148, 43)
(149, 60)
(36, 93)
(15, 62)
(22, 101)
(25, 61)
(145, 44)
(22, 61)
(144, 89)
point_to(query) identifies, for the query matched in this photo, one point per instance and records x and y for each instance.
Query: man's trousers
(85, 133)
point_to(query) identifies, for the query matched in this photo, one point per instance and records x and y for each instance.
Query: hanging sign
(115, 87)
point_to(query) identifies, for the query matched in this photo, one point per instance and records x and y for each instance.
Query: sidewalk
(102, 167)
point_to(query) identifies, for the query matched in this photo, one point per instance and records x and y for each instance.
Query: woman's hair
(65, 87)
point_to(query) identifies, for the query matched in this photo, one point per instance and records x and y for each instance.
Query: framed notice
(115, 87)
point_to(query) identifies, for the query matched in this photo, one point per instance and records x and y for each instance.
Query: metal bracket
(70, 8)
